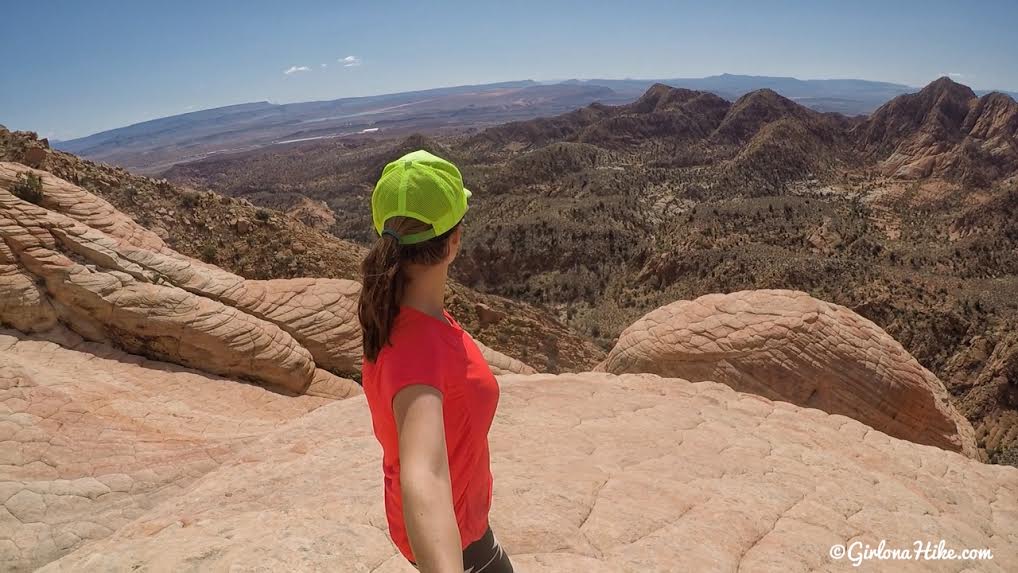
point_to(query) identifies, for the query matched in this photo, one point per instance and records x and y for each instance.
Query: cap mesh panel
(387, 197)
(422, 198)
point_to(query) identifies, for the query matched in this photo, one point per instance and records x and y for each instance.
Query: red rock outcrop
(110, 287)
(786, 345)
(945, 131)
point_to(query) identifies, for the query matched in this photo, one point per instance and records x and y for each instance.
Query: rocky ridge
(946, 131)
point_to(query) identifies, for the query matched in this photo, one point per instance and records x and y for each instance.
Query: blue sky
(74, 68)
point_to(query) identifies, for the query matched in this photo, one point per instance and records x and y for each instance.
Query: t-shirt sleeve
(422, 365)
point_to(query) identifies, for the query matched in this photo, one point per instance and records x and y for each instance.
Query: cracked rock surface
(786, 345)
(593, 473)
(92, 438)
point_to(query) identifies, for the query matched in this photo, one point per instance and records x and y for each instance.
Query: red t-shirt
(425, 350)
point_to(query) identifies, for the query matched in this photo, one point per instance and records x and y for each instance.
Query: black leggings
(485, 556)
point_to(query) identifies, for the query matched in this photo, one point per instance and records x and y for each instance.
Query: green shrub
(28, 188)
(262, 215)
(209, 253)
(190, 199)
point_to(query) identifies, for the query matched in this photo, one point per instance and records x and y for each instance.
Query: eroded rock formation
(944, 130)
(786, 345)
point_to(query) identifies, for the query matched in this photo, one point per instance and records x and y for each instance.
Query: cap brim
(467, 193)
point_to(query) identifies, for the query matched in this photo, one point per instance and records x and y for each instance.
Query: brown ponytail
(384, 277)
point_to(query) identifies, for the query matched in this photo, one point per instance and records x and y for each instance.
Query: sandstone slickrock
(102, 290)
(24, 304)
(73, 201)
(317, 313)
(327, 385)
(593, 473)
(92, 438)
(786, 345)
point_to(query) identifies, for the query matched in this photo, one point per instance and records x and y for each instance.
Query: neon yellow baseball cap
(423, 186)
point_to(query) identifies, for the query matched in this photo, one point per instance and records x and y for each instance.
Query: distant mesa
(153, 146)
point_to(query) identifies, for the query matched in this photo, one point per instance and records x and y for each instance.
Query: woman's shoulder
(410, 321)
(416, 347)
(422, 337)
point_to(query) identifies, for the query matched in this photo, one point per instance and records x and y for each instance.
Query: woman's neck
(425, 291)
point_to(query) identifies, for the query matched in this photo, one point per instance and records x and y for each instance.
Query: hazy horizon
(110, 64)
(542, 82)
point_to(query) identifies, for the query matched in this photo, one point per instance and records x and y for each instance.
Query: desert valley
(908, 216)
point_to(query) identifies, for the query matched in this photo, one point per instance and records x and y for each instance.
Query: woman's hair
(384, 278)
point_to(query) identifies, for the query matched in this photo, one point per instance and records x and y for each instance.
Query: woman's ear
(454, 241)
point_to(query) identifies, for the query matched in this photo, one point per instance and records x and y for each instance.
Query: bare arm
(424, 480)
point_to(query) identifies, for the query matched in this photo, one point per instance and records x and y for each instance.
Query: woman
(431, 394)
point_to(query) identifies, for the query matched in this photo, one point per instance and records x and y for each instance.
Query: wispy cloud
(952, 74)
(325, 65)
(295, 69)
(350, 61)
(58, 135)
